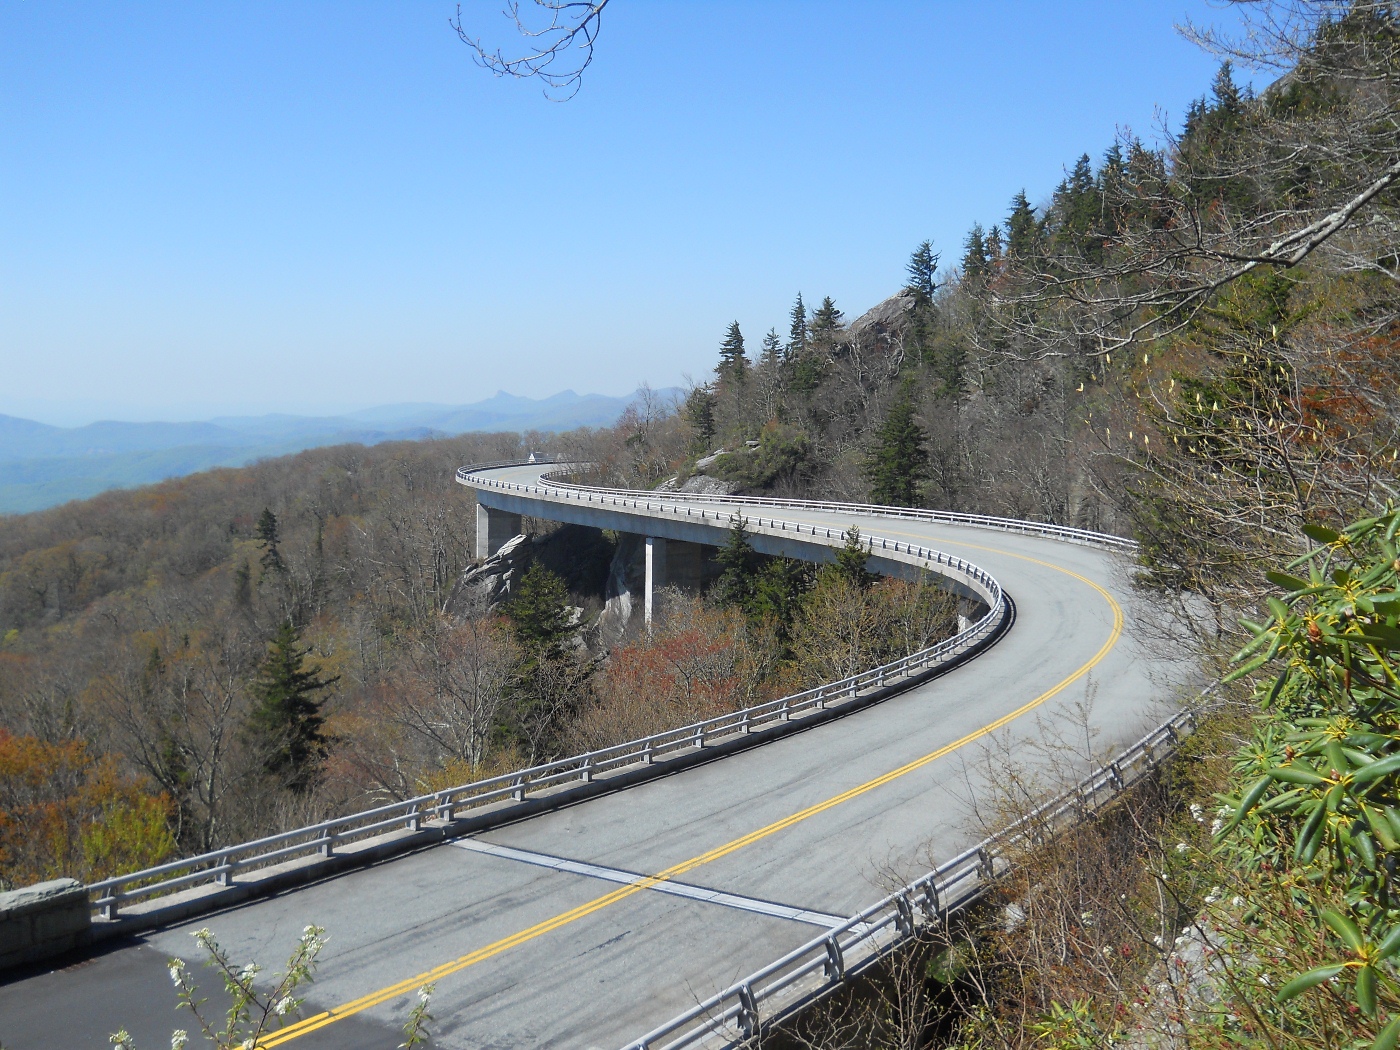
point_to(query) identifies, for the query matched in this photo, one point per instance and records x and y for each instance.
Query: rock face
(701, 481)
(485, 586)
(623, 595)
(886, 317)
(578, 555)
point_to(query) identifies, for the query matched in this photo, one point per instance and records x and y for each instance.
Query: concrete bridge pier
(494, 528)
(656, 573)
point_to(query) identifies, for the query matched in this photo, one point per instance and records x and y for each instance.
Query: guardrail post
(985, 870)
(1115, 774)
(109, 907)
(748, 1012)
(699, 736)
(904, 915)
(225, 876)
(446, 810)
(585, 771)
(519, 792)
(928, 900)
(647, 754)
(835, 967)
(328, 844)
(415, 819)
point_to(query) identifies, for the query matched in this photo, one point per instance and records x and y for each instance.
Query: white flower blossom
(1159, 942)
(1216, 826)
(177, 971)
(424, 994)
(178, 1039)
(1182, 847)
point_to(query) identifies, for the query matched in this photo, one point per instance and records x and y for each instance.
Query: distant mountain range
(42, 465)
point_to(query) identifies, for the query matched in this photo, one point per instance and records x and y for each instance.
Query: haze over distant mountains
(42, 465)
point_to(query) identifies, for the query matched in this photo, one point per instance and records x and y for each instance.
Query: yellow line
(411, 984)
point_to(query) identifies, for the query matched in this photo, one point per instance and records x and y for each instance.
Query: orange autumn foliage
(64, 812)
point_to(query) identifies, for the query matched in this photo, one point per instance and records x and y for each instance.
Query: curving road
(539, 933)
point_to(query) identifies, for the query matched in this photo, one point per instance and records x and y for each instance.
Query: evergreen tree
(286, 721)
(777, 594)
(268, 536)
(772, 350)
(740, 562)
(732, 361)
(548, 680)
(923, 265)
(851, 560)
(898, 464)
(1022, 230)
(539, 612)
(797, 329)
(827, 319)
(974, 261)
(699, 412)
(243, 586)
(995, 244)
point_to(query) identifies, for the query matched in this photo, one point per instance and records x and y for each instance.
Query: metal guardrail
(222, 866)
(554, 480)
(735, 1014)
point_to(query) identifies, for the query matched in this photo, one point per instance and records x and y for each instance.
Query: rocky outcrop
(885, 318)
(701, 481)
(487, 585)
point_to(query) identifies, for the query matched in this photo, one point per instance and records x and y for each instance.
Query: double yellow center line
(411, 984)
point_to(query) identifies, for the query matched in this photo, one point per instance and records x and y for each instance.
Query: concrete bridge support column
(656, 573)
(494, 528)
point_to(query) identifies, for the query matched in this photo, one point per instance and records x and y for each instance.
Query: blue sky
(313, 207)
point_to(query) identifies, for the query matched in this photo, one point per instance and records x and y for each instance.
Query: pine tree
(851, 560)
(995, 244)
(898, 464)
(539, 612)
(923, 265)
(797, 329)
(243, 586)
(772, 349)
(699, 412)
(827, 318)
(286, 721)
(740, 562)
(268, 537)
(1022, 230)
(974, 262)
(732, 361)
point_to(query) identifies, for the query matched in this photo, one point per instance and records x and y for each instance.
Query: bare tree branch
(566, 39)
